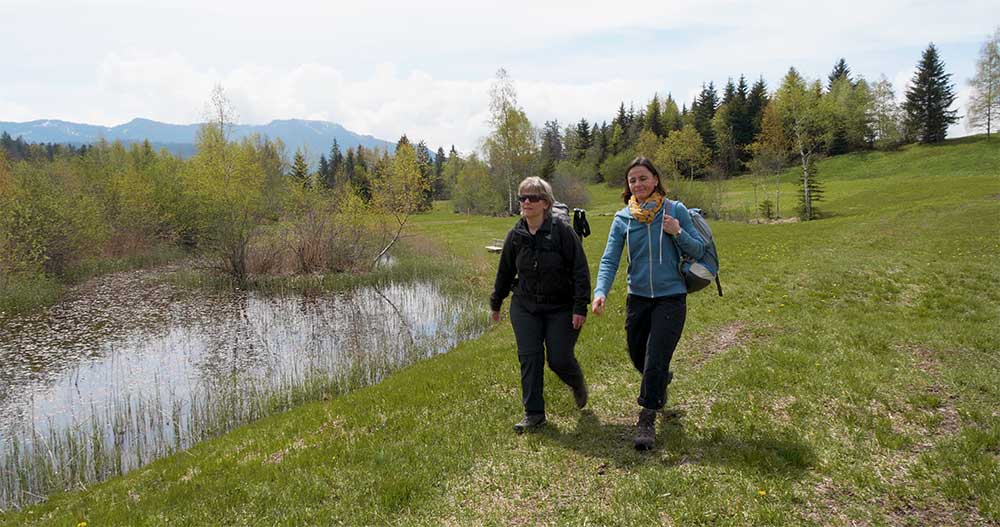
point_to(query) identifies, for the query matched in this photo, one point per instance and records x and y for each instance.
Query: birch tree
(511, 145)
(984, 103)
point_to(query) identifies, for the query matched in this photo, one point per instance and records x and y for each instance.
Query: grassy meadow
(850, 375)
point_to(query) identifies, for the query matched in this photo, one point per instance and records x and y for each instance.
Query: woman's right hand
(598, 306)
(495, 316)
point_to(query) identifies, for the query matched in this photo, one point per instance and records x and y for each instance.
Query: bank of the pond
(850, 376)
(130, 367)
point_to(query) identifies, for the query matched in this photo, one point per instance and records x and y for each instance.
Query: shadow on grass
(768, 452)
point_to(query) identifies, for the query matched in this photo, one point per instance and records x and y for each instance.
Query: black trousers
(542, 332)
(653, 327)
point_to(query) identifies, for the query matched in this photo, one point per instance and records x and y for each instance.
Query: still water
(130, 368)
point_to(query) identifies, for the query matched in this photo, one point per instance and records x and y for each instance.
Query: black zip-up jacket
(548, 268)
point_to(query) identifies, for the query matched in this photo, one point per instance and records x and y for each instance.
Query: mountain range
(315, 137)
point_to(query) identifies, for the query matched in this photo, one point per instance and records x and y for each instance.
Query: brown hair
(642, 161)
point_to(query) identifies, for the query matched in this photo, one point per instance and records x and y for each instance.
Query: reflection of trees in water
(230, 358)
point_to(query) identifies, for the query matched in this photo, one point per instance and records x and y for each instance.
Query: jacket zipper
(649, 244)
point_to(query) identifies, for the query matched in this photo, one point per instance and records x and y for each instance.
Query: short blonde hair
(537, 185)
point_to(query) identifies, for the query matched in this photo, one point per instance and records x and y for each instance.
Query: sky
(425, 68)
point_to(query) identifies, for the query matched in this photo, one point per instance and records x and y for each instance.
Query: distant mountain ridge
(315, 136)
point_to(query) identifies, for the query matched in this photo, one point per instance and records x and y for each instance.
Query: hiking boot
(645, 430)
(580, 396)
(529, 422)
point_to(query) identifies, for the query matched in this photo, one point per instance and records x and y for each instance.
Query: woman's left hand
(578, 321)
(670, 225)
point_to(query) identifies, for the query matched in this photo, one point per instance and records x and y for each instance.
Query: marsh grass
(131, 429)
(850, 376)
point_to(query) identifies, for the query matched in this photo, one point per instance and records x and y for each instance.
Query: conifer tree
(671, 115)
(704, 109)
(840, 71)
(300, 168)
(437, 183)
(928, 100)
(583, 139)
(324, 170)
(336, 169)
(756, 102)
(652, 121)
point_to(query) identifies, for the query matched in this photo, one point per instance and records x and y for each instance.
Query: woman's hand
(495, 316)
(598, 306)
(670, 225)
(578, 321)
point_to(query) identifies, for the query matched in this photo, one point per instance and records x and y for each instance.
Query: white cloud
(424, 69)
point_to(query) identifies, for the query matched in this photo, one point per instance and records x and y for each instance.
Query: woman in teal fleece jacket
(652, 229)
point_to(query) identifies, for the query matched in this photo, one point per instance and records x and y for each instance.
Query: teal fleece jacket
(653, 260)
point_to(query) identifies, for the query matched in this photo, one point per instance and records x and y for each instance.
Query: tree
(402, 192)
(583, 139)
(647, 145)
(682, 154)
(438, 186)
(704, 109)
(770, 156)
(323, 172)
(475, 192)
(724, 128)
(756, 102)
(671, 117)
(300, 169)
(928, 100)
(984, 102)
(335, 172)
(840, 71)
(552, 148)
(652, 120)
(885, 116)
(511, 145)
(803, 121)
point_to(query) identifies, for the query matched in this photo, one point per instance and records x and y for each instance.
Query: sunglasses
(534, 198)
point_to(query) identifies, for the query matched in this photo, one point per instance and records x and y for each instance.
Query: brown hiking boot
(645, 430)
(530, 421)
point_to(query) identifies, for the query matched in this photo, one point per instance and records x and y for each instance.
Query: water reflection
(132, 371)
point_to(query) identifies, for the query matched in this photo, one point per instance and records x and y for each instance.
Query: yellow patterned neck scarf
(646, 211)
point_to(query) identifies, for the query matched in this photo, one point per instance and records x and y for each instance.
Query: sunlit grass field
(850, 375)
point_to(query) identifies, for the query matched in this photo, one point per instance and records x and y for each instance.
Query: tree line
(243, 206)
(746, 128)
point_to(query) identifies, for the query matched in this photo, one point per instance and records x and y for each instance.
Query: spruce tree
(300, 169)
(756, 102)
(704, 109)
(840, 71)
(652, 119)
(928, 100)
(742, 120)
(336, 169)
(583, 139)
(324, 170)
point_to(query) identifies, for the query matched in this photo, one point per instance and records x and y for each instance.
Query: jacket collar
(545, 227)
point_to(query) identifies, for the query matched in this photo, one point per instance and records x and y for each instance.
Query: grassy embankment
(850, 375)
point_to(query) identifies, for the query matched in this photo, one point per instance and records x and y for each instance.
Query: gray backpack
(701, 272)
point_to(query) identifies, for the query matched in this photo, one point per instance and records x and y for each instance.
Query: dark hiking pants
(540, 333)
(653, 327)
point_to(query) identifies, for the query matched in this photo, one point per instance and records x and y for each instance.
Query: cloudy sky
(424, 68)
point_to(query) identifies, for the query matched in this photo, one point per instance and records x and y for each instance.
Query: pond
(130, 368)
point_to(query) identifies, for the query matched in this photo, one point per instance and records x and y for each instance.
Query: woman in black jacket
(543, 264)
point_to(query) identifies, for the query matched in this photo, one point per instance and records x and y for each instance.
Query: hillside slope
(850, 375)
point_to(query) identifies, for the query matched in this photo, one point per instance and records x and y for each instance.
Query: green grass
(849, 376)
